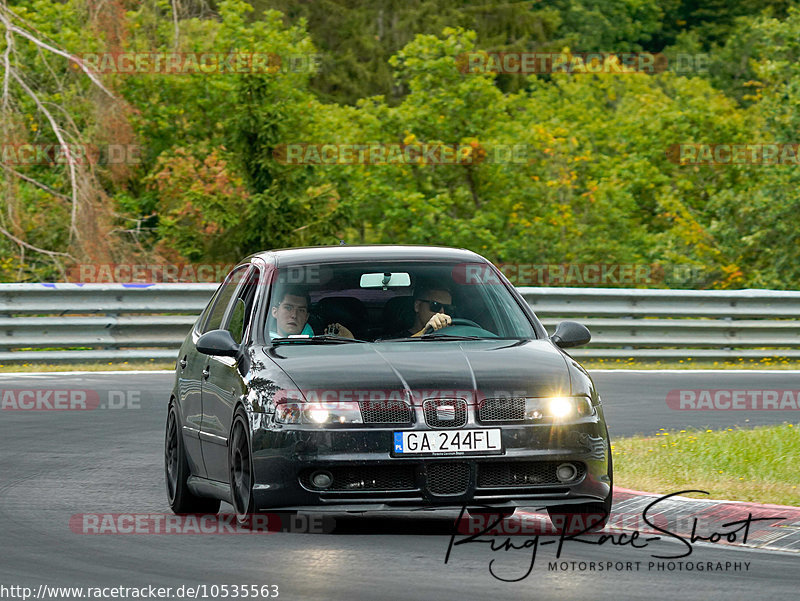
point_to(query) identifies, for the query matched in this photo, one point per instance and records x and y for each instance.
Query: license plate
(448, 441)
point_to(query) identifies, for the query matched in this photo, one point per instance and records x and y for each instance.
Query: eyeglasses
(291, 308)
(436, 306)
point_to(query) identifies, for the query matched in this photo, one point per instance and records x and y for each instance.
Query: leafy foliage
(593, 181)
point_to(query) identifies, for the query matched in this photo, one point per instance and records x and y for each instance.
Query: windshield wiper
(320, 338)
(436, 336)
(334, 338)
(443, 336)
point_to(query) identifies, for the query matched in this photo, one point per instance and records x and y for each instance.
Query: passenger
(291, 316)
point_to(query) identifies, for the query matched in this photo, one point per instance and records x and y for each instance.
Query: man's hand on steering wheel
(437, 322)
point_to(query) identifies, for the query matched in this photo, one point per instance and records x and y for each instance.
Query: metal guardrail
(627, 302)
(104, 298)
(676, 324)
(127, 322)
(97, 322)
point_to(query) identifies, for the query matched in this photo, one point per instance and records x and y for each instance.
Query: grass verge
(767, 363)
(755, 464)
(105, 366)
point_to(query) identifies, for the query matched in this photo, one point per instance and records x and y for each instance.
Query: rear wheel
(176, 471)
(240, 467)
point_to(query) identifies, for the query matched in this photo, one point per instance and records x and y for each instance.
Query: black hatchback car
(359, 378)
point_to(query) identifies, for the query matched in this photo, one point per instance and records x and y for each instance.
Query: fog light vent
(566, 472)
(321, 479)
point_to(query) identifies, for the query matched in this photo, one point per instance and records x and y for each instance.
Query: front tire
(240, 469)
(584, 517)
(176, 472)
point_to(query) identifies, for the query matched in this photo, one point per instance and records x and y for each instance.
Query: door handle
(182, 362)
(206, 373)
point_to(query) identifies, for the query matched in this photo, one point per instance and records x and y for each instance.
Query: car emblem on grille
(446, 413)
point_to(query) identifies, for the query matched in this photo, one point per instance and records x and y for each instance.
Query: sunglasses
(436, 306)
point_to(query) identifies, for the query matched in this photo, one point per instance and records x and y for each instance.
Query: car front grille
(502, 410)
(522, 473)
(381, 477)
(385, 412)
(448, 478)
(445, 413)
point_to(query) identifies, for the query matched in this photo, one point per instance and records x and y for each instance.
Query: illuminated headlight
(318, 413)
(557, 408)
(560, 407)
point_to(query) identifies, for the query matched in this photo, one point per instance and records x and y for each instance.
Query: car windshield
(382, 301)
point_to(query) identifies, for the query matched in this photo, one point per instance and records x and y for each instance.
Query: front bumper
(366, 476)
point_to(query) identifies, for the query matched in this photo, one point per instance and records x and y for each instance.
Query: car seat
(346, 310)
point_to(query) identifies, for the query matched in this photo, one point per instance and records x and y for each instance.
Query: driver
(432, 307)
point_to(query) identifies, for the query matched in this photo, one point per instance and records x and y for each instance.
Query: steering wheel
(455, 321)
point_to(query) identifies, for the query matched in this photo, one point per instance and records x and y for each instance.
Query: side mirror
(570, 333)
(218, 342)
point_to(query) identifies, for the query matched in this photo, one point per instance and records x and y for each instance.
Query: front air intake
(448, 478)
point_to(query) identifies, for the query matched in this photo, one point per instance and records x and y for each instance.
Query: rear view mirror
(385, 280)
(218, 342)
(569, 334)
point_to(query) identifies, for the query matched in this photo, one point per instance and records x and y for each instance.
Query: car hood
(426, 369)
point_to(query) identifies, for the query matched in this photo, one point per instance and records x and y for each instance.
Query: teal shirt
(307, 331)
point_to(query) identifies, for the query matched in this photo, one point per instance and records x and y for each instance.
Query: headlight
(559, 408)
(318, 413)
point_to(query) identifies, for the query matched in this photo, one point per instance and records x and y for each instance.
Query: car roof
(373, 252)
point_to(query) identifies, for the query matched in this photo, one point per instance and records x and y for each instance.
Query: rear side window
(223, 299)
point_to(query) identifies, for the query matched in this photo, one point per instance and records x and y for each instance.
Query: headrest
(346, 310)
(398, 314)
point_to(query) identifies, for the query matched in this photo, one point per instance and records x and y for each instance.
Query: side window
(223, 299)
(204, 315)
(236, 325)
(242, 311)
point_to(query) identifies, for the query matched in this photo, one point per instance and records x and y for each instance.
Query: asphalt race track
(635, 401)
(56, 464)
